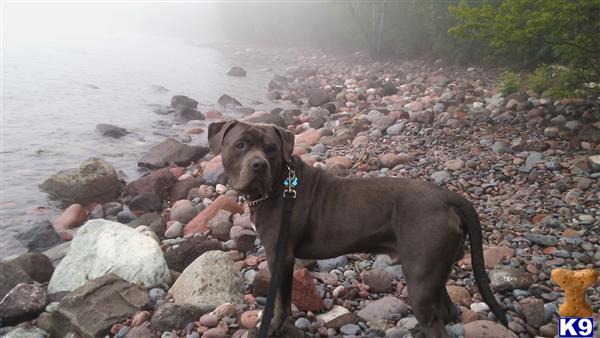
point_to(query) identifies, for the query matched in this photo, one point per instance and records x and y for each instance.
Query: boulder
(229, 101)
(180, 257)
(158, 182)
(210, 279)
(39, 238)
(171, 151)
(111, 130)
(237, 71)
(101, 246)
(94, 181)
(27, 268)
(22, 302)
(185, 114)
(183, 101)
(92, 309)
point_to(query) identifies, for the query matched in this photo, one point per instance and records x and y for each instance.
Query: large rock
(103, 246)
(158, 183)
(111, 130)
(210, 279)
(229, 101)
(171, 151)
(237, 71)
(304, 292)
(27, 268)
(487, 329)
(318, 97)
(383, 308)
(181, 188)
(509, 279)
(22, 302)
(94, 181)
(92, 309)
(180, 257)
(178, 101)
(39, 238)
(184, 114)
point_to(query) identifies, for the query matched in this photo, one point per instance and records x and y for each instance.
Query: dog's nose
(258, 165)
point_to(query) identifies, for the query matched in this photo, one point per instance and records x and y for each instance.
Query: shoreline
(531, 167)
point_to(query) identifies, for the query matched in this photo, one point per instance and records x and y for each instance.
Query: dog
(417, 223)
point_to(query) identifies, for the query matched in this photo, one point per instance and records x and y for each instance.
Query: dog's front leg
(283, 301)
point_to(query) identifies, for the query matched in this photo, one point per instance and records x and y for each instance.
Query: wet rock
(304, 292)
(171, 316)
(187, 252)
(22, 302)
(158, 183)
(210, 279)
(100, 246)
(186, 114)
(509, 279)
(171, 151)
(199, 224)
(109, 298)
(39, 238)
(265, 117)
(488, 329)
(318, 97)
(111, 130)
(228, 101)
(383, 308)
(94, 181)
(237, 71)
(71, 218)
(183, 101)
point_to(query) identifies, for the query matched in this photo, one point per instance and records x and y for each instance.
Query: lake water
(54, 94)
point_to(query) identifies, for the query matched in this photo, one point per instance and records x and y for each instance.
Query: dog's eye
(239, 145)
(271, 149)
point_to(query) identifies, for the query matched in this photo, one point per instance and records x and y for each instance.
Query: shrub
(561, 82)
(509, 83)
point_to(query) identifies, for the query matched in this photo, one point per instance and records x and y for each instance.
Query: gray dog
(417, 223)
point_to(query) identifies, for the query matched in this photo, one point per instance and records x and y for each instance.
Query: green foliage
(561, 82)
(528, 33)
(510, 82)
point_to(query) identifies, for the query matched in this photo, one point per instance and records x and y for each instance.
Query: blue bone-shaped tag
(294, 182)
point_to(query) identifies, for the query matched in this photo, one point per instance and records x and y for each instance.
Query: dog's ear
(216, 134)
(287, 143)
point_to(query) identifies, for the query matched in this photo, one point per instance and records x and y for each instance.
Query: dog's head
(254, 155)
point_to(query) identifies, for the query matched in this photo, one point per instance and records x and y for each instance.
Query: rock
(501, 148)
(265, 117)
(109, 298)
(391, 160)
(425, 117)
(199, 224)
(318, 97)
(146, 202)
(216, 332)
(458, 294)
(171, 151)
(383, 308)
(210, 279)
(170, 316)
(220, 230)
(551, 132)
(350, 329)
(187, 251)
(487, 329)
(158, 183)
(378, 280)
(228, 101)
(94, 181)
(237, 71)
(408, 323)
(183, 211)
(454, 164)
(39, 238)
(111, 130)
(250, 318)
(396, 129)
(57, 253)
(183, 114)
(151, 220)
(533, 310)
(22, 302)
(27, 268)
(72, 217)
(182, 188)
(140, 318)
(493, 255)
(11, 275)
(302, 323)
(440, 177)
(332, 314)
(174, 230)
(27, 332)
(261, 282)
(589, 134)
(509, 279)
(183, 101)
(540, 239)
(100, 246)
(479, 307)
(304, 292)
(141, 332)
(326, 265)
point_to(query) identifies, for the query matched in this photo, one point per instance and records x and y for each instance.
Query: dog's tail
(473, 226)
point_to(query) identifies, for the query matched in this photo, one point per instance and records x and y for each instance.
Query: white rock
(479, 307)
(210, 279)
(103, 246)
(220, 189)
(332, 314)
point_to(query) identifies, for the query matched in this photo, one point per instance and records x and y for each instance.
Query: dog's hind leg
(446, 309)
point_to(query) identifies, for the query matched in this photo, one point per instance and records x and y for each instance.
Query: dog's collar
(252, 203)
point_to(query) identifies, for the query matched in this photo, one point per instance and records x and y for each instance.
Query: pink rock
(140, 318)
(206, 191)
(177, 171)
(391, 160)
(215, 165)
(196, 130)
(199, 224)
(249, 319)
(339, 161)
(71, 218)
(215, 333)
(213, 114)
(309, 137)
(209, 320)
(243, 221)
(493, 255)
(308, 159)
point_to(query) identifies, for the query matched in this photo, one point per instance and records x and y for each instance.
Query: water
(55, 93)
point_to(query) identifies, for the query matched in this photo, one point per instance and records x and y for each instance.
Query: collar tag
(290, 183)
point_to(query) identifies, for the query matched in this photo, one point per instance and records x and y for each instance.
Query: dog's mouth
(255, 186)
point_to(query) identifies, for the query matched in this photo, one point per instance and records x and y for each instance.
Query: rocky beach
(174, 253)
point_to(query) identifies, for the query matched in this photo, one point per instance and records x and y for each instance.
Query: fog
(53, 22)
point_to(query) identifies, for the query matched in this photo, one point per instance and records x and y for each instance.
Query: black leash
(284, 230)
